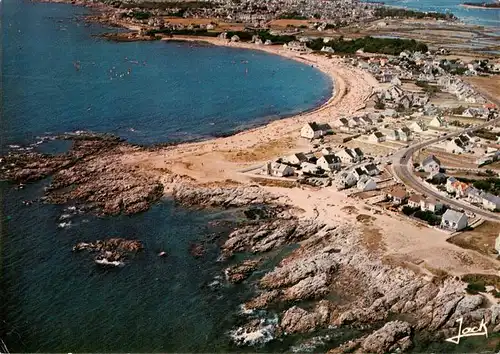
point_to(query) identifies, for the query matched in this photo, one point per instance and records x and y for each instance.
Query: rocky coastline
(328, 259)
(90, 173)
(111, 252)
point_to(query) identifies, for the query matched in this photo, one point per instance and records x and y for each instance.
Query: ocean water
(482, 17)
(56, 77)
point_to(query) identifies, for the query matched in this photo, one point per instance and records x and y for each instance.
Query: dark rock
(196, 250)
(240, 272)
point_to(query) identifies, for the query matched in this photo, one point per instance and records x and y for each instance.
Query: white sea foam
(64, 225)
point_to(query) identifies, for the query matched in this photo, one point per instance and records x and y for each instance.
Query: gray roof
(430, 159)
(318, 127)
(358, 151)
(279, 166)
(453, 215)
(331, 159)
(491, 198)
(359, 171)
(371, 167)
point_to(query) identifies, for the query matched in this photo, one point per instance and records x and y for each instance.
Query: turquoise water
(489, 17)
(147, 92)
(52, 300)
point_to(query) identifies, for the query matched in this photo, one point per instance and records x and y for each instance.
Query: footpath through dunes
(221, 158)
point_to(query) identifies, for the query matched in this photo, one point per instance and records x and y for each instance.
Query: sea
(475, 16)
(57, 76)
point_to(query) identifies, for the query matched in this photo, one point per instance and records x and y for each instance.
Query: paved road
(403, 169)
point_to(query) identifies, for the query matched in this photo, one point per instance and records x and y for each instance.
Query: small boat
(162, 254)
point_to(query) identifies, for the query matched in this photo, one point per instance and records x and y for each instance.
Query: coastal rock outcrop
(190, 194)
(263, 300)
(297, 320)
(111, 252)
(239, 272)
(256, 331)
(394, 336)
(265, 235)
(91, 172)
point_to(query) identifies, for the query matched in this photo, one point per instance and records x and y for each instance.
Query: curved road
(403, 169)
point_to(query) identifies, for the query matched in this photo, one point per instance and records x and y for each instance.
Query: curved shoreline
(480, 7)
(221, 158)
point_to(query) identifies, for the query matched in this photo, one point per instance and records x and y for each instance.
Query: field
(481, 239)
(449, 160)
(286, 23)
(488, 84)
(205, 21)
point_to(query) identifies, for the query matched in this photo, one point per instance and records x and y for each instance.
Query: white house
(327, 151)
(431, 164)
(454, 220)
(390, 134)
(371, 169)
(348, 156)
(278, 169)
(329, 163)
(308, 167)
(418, 127)
(404, 134)
(366, 120)
(358, 154)
(296, 46)
(315, 131)
(347, 179)
(366, 183)
(358, 172)
(474, 195)
(491, 202)
(429, 204)
(398, 195)
(376, 137)
(455, 146)
(437, 122)
(415, 200)
(296, 159)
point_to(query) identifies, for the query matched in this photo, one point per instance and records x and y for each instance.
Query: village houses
(430, 204)
(454, 220)
(296, 159)
(397, 195)
(491, 201)
(376, 137)
(350, 155)
(278, 169)
(366, 183)
(418, 127)
(431, 164)
(455, 186)
(315, 131)
(437, 122)
(415, 200)
(329, 163)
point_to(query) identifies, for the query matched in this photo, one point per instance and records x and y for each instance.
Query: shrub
(475, 287)
(408, 210)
